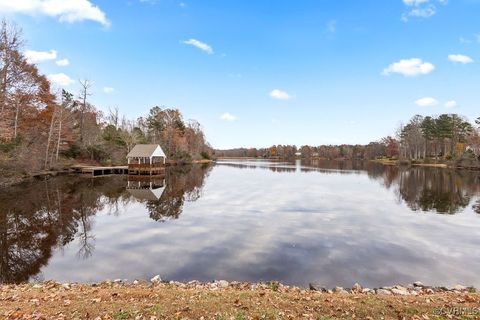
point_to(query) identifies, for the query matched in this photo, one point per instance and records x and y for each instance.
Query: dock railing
(145, 166)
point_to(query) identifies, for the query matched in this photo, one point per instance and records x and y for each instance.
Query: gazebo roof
(147, 194)
(146, 151)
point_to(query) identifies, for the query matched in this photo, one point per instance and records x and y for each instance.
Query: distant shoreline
(7, 181)
(387, 162)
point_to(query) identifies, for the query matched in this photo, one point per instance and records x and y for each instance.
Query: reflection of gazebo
(150, 190)
(146, 159)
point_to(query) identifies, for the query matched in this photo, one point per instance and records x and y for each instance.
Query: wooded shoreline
(45, 130)
(7, 181)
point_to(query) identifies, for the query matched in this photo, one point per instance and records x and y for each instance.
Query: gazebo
(146, 159)
(149, 190)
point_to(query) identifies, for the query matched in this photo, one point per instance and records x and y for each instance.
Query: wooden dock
(137, 170)
(96, 171)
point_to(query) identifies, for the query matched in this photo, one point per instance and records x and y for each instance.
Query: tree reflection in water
(437, 190)
(476, 207)
(40, 216)
(428, 189)
(182, 183)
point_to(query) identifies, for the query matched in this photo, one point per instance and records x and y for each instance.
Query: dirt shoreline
(397, 163)
(234, 300)
(431, 165)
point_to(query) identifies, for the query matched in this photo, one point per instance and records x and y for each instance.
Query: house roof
(146, 150)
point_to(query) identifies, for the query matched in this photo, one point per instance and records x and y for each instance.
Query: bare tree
(10, 44)
(113, 117)
(67, 102)
(85, 86)
(50, 134)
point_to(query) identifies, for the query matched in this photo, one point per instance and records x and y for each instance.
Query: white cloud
(460, 58)
(200, 45)
(422, 12)
(63, 62)
(427, 102)
(280, 95)
(64, 10)
(421, 8)
(60, 79)
(451, 104)
(40, 56)
(409, 67)
(414, 2)
(108, 89)
(227, 116)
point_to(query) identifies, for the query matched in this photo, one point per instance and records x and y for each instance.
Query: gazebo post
(150, 169)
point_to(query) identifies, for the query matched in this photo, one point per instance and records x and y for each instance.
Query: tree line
(447, 137)
(42, 129)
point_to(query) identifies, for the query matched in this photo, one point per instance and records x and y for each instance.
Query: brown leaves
(470, 298)
(109, 301)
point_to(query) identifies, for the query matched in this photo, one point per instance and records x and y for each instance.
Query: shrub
(72, 152)
(9, 146)
(182, 156)
(274, 286)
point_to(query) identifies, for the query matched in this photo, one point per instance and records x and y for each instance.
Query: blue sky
(257, 73)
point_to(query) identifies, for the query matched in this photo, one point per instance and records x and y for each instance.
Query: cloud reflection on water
(258, 221)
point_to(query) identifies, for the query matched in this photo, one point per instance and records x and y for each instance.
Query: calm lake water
(334, 223)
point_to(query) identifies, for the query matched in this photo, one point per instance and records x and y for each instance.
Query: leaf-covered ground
(236, 301)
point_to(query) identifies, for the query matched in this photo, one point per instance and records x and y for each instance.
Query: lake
(329, 222)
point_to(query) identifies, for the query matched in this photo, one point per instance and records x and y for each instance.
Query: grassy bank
(387, 162)
(390, 162)
(470, 165)
(112, 300)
